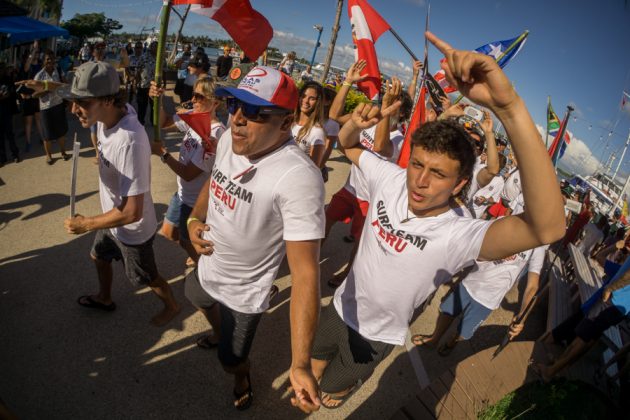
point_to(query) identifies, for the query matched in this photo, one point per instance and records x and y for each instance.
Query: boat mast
(622, 156)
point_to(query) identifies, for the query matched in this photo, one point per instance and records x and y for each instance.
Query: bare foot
(337, 400)
(422, 340)
(165, 316)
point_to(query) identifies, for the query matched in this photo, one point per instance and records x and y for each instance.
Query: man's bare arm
(129, 211)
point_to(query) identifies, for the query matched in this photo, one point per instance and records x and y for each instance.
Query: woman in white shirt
(193, 167)
(308, 122)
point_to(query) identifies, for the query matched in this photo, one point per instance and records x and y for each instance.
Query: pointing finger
(443, 46)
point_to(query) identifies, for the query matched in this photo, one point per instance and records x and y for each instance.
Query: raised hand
(476, 76)
(353, 74)
(487, 123)
(393, 89)
(417, 66)
(366, 115)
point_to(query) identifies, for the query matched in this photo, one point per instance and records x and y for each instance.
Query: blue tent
(21, 29)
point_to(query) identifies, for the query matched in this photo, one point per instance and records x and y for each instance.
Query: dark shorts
(458, 301)
(586, 328)
(30, 106)
(351, 357)
(54, 122)
(139, 260)
(177, 214)
(237, 329)
(344, 207)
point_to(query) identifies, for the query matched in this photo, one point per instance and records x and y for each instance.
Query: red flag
(200, 123)
(440, 77)
(248, 28)
(367, 27)
(417, 119)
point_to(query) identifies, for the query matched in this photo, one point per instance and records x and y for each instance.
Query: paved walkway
(59, 360)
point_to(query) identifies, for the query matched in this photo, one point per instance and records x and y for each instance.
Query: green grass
(570, 400)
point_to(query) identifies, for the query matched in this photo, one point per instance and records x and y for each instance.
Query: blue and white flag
(498, 49)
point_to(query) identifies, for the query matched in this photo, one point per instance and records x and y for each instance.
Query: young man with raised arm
(413, 241)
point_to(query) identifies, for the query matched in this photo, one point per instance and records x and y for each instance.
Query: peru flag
(248, 28)
(367, 26)
(200, 123)
(417, 119)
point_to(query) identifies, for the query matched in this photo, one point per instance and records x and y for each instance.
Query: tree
(90, 25)
(171, 59)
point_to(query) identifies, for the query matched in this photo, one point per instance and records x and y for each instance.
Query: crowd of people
(470, 209)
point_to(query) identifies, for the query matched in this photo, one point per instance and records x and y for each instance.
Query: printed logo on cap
(260, 83)
(235, 73)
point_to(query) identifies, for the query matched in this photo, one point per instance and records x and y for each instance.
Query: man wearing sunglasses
(264, 196)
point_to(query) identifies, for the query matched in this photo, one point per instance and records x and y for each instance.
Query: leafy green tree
(90, 25)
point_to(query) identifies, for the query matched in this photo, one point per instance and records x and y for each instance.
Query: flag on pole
(565, 143)
(502, 52)
(200, 123)
(625, 100)
(553, 122)
(247, 27)
(367, 26)
(417, 119)
(561, 137)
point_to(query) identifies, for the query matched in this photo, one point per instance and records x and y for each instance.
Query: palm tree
(333, 41)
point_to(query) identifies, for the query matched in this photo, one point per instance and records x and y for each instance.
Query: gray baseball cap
(93, 79)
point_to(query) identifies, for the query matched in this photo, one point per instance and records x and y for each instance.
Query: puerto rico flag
(367, 26)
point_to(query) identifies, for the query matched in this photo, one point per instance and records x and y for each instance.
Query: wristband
(346, 84)
(191, 219)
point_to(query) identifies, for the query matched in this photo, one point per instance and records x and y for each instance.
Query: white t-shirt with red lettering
(492, 190)
(254, 207)
(124, 167)
(192, 150)
(491, 280)
(312, 138)
(356, 183)
(402, 259)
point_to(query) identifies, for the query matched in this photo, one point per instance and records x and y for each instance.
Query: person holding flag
(194, 163)
(413, 238)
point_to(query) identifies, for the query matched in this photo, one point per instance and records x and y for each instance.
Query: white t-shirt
(192, 150)
(356, 183)
(491, 280)
(512, 187)
(124, 166)
(331, 127)
(254, 206)
(592, 236)
(474, 184)
(312, 138)
(50, 99)
(492, 190)
(399, 264)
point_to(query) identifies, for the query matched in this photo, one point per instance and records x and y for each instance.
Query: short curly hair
(449, 138)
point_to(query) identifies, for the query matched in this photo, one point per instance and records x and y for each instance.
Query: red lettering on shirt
(395, 242)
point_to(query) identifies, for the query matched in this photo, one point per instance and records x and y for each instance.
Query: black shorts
(237, 328)
(54, 122)
(586, 328)
(351, 357)
(30, 106)
(139, 260)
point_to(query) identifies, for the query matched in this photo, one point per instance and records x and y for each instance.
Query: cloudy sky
(577, 52)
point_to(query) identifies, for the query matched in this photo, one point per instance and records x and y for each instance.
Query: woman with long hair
(308, 122)
(193, 165)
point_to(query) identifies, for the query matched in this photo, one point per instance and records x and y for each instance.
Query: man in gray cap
(128, 224)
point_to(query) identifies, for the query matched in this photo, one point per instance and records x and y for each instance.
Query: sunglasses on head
(252, 112)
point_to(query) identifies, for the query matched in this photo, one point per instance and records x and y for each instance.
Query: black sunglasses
(252, 112)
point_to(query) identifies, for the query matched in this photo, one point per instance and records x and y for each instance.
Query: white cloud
(578, 157)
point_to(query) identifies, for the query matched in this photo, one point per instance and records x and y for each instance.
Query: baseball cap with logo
(93, 79)
(235, 75)
(264, 86)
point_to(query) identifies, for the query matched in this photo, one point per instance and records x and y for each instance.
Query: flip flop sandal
(342, 400)
(88, 302)
(239, 396)
(420, 337)
(205, 343)
(445, 349)
(66, 156)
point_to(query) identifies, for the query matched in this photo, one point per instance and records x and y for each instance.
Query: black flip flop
(248, 392)
(87, 302)
(342, 400)
(204, 343)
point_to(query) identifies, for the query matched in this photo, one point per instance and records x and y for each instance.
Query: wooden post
(333, 41)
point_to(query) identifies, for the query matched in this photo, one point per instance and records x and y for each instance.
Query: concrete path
(60, 361)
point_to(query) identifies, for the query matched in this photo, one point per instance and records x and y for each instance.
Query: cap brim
(65, 92)
(243, 95)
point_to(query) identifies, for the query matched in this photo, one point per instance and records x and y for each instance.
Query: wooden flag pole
(166, 12)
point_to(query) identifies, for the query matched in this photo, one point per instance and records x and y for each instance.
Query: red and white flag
(367, 26)
(440, 77)
(201, 123)
(248, 28)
